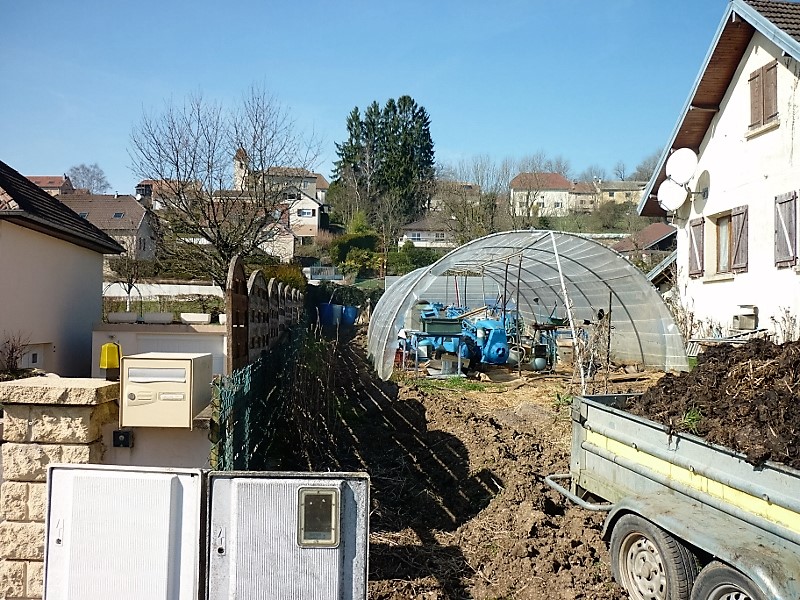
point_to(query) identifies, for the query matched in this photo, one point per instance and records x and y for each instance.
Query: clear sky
(594, 81)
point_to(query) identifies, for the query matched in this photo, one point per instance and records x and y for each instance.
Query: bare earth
(459, 504)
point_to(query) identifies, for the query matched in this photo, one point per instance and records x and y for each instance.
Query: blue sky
(594, 81)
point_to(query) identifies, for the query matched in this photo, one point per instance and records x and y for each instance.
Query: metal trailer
(687, 520)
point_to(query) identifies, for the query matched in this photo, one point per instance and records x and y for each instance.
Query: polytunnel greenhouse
(539, 277)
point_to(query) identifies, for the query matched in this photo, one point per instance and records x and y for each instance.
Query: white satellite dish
(681, 165)
(671, 195)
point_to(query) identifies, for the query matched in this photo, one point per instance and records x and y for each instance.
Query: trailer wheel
(649, 563)
(720, 582)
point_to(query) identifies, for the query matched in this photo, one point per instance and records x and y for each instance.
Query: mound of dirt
(743, 397)
(459, 504)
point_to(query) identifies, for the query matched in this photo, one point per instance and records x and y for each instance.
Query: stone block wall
(46, 420)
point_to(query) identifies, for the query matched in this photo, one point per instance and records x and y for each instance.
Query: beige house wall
(51, 294)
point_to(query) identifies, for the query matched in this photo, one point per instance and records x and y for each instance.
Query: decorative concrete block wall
(46, 420)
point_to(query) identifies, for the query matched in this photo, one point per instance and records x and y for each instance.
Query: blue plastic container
(326, 315)
(349, 315)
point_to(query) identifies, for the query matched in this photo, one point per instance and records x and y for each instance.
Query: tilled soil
(459, 504)
(745, 398)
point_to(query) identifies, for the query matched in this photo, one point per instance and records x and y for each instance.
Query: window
(306, 212)
(696, 247)
(83, 215)
(318, 517)
(119, 215)
(610, 194)
(415, 235)
(786, 230)
(764, 95)
(628, 194)
(439, 235)
(732, 241)
(557, 204)
(724, 244)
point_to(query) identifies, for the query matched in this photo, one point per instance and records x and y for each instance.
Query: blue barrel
(326, 315)
(349, 315)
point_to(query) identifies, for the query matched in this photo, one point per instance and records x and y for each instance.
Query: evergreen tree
(386, 166)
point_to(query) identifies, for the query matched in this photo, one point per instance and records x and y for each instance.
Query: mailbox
(164, 389)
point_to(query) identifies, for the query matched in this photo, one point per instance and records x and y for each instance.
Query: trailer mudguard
(771, 562)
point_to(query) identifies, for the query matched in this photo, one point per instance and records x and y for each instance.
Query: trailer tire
(649, 563)
(718, 581)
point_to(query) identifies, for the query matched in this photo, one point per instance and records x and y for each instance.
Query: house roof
(660, 272)
(626, 186)
(646, 238)
(583, 187)
(322, 183)
(49, 181)
(24, 203)
(777, 20)
(427, 223)
(290, 172)
(108, 212)
(540, 181)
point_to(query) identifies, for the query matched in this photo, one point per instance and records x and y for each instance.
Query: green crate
(439, 326)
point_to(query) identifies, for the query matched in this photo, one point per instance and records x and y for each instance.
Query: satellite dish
(681, 165)
(671, 195)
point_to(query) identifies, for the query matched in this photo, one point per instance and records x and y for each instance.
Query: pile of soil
(743, 397)
(460, 508)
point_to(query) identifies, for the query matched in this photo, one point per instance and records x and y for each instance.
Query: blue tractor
(481, 340)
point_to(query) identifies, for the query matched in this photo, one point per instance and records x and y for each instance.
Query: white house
(307, 215)
(429, 232)
(540, 194)
(51, 274)
(737, 222)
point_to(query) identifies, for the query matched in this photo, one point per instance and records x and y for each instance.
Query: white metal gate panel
(254, 552)
(122, 533)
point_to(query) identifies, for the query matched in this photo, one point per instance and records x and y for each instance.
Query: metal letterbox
(164, 389)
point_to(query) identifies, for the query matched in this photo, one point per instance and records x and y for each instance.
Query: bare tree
(12, 348)
(620, 171)
(592, 173)
(89, 177)
(208, 214)
(469, 196)
(644, 170)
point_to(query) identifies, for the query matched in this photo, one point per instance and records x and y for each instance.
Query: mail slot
(164, 389)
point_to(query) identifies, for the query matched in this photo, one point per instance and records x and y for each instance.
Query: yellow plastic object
(110, 354)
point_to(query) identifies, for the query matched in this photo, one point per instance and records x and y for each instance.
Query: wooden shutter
(696, 247)
(770, 85)
(739, 239)
(756, 99)
(786, 230)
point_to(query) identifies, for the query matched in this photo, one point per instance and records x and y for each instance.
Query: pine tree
(387, 162)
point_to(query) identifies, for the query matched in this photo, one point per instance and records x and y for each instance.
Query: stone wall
(46, 420)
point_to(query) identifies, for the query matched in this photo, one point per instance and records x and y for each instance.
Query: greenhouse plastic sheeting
(643, 329)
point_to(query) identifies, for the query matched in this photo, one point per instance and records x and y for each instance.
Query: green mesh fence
(250, 403)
